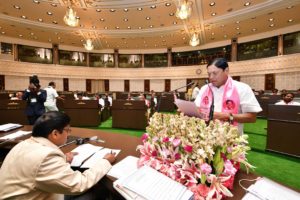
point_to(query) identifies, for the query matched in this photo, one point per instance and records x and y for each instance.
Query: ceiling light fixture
(70, 17)
(194, 41)
(184, 9)
(88, 45)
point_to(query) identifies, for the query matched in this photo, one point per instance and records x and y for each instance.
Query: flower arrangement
(203, 158)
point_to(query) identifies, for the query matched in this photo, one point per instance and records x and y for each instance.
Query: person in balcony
(288, 99)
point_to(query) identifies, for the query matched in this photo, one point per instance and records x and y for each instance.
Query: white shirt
(292, 103)
(248, 102)
(51, 96)
(195, 92)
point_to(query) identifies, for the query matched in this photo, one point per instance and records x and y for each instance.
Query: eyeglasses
(68, 130)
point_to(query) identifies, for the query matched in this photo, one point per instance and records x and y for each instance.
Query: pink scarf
(230, 101)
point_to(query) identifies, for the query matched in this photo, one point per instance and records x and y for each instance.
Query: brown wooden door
(66, 84)
(106, 85)
(2, 82)
(126, 86)
(167, 85)
(146, 85)
(88, 85)
(269, 81)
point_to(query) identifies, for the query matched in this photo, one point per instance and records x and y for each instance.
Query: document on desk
(9, 126)
(84, 152)
(189, 108)
(15, 135)
(150, 184)
(126, 166)
(98, 155)
(266, 189)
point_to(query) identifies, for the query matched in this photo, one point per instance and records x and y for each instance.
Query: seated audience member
(81, 96)
(129, 97)
(18, 96)
(288, 100)
(261, 92)
(108, 99)
(37, 169)
(274, 91)
(298, 91)
(143, 97)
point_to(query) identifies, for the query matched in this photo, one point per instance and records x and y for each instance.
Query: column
(15, 52)
(234, 43)
(55, 54)
(116, 56)
(143, 60)
(169, 57)
(280, 45)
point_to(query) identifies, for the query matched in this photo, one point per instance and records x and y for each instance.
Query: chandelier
(184, 9)
(194, 41)
(88, 45)
(70, 17)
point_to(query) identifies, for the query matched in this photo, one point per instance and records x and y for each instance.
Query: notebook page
(84, 151)
(98, 155)
(126, 166)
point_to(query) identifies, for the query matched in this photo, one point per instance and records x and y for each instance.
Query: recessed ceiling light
(183, 38)
(54, 22)
(171, 14)
(254, 29)
(140, 27)
(81, 40)
(151, 26)
(105, 27)
(237, 28)
(212, 3)
(222, 26)
(20, 35)
(54, 4)
(77, 17)
(94, 27)
(167, 4)
(17, 7)
(102, 20)
(174, 23)
(49, 40)
(36, 1)
(290, 20)
(139, 9)
(213, 14)
(31, 33)
(49, 13)
(125, 20)
(271, 19)
(212, 33)
(128, 27)
(271, 25)
(125, 9)
(117, 27)
(153, 7)
(3, 32)
(247, 4)
(40, 19)
(289, 7)
(23, 16)
(148, 18)
(58, 38)
(98, 10)
(237, 22)
(225, 36)
(112, 10)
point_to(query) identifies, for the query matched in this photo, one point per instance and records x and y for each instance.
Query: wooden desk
(13, 111)
(128, 145)
(264, 101)
(283, 129)
(166, 102)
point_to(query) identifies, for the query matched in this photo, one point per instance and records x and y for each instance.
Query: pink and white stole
(230, 100)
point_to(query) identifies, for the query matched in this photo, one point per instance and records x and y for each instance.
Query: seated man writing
(37, 169)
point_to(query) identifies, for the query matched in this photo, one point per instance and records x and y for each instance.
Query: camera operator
(35, 98)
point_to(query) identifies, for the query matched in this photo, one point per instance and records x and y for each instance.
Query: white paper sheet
(84, 151)
(15, 135)
(126, 166)
(9, 126)
(98, 155)
(189, 108)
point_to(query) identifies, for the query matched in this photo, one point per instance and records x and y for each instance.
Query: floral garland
(203, 158)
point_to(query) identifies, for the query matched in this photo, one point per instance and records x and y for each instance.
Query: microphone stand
(159, 100)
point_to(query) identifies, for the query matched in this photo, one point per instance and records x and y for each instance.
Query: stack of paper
(266, 189)
(88, 154)
(15, 135)
(123, 168)
(10, 126)
(147, 183)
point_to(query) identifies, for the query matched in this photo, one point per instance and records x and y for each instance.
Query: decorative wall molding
(278, 64)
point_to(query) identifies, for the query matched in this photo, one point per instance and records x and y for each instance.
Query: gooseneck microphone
(159, 100)
(212, 106)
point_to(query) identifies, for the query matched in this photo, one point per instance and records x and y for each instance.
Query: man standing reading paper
(37, 169)
(233, 101)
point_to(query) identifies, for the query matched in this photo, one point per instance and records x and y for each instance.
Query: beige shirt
(37, 169)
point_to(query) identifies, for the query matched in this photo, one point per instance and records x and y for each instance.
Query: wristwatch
(230, 118)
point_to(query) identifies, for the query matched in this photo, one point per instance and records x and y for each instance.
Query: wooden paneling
(146, 85)
(66, 84)
(126, 85)
(269, 81)
(2, 82)
(167, 85)
(88, 85)
(106, 85)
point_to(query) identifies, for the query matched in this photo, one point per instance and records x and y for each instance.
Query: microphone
(80, 141)
(212, 106)
(158, 103)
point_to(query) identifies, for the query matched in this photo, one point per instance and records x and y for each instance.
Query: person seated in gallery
(36, 168)
(298, 91)
(129, 97)
(81, 96)
(275, 91)
(143, 97)
(153, 98)
(17, 96)
(288, 100)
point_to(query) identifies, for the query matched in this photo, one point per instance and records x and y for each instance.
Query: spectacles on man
(68, 130)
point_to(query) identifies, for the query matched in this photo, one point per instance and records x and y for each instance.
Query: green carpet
(281, 168)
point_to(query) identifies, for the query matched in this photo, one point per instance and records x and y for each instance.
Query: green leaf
(218, 162)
